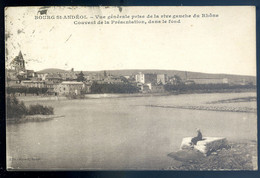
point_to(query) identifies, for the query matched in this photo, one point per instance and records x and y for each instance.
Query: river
(122, 133)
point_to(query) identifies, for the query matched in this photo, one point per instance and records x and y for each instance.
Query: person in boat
(194, 140)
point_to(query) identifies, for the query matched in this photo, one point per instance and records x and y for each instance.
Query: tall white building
(162, 78)
(146, 78)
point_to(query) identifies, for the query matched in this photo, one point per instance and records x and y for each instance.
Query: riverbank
(235, 100)
(91, 96)
(109, 95)
(119, 95)
(32, 118)
(201, 91)
(241, 155)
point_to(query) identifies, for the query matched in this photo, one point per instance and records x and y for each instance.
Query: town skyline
(130, 69)
(36, 65)
(75, 70)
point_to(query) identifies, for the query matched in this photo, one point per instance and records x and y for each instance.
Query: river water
(121, 133)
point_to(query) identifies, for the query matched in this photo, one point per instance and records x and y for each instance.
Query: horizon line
(148, 69)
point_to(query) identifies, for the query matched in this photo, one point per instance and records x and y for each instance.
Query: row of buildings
(151, 82)
(56, 83)
(67, 82)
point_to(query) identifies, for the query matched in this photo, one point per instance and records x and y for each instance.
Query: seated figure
(194, 140)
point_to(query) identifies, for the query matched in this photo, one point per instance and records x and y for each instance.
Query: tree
(20, 78)
(80, 77)
(177, 79)
(124, 79)
(14, 108)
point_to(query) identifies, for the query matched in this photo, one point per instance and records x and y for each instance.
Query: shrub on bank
(40, 109)
(74, 96)
(17, 109)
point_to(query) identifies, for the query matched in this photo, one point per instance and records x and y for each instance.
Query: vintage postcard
(131, 88)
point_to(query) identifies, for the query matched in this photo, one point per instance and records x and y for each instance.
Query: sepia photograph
(131, 88)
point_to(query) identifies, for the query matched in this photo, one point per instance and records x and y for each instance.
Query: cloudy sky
(225, 44)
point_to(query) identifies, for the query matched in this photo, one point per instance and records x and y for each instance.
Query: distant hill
(182, 74)
(53, 70)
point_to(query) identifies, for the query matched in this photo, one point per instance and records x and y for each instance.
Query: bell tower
(18, 63)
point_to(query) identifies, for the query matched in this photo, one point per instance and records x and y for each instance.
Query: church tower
(18, 63)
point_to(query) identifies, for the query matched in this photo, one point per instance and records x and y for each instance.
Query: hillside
(182, 74)
(52, 70)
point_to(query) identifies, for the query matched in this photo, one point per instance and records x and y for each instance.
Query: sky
(225, 44)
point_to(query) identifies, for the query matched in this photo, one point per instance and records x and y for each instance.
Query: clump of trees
(80, 77)
(17, 109)
(113, 88)
(40, 109)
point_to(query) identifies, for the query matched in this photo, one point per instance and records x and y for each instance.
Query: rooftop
(72, 83)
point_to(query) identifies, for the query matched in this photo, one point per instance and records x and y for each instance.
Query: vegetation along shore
(17, 112)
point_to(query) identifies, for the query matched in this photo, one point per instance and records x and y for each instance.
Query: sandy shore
(33, 118)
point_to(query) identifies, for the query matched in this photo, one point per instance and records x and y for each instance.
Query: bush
(14, 108)
(74, 96)
(39, 109)
(17, 109)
